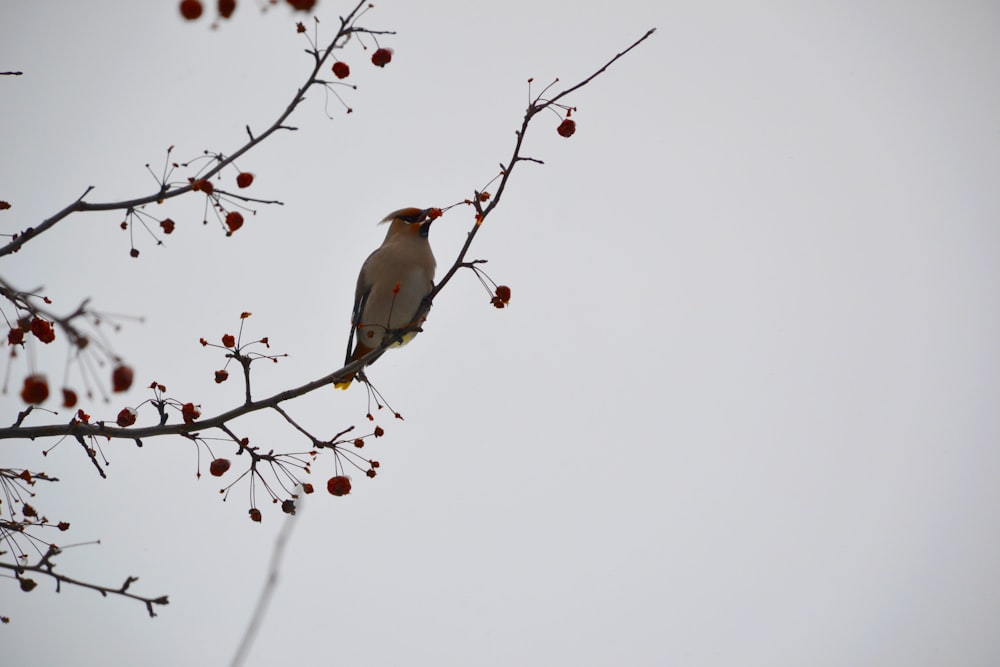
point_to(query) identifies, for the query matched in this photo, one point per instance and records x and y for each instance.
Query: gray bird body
(392, 284)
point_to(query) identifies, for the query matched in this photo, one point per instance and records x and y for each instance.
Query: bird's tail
(359, 351)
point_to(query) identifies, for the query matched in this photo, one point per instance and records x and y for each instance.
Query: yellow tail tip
(342, 385)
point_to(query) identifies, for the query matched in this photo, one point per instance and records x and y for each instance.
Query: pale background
(743, 409)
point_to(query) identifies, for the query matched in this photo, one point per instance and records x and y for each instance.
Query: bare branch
(168, 192)
(534, 107)
(590, 78)
(80, 429)
(46, 567)
(285, 467)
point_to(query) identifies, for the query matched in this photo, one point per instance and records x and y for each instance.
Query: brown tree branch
(79, 429)
(22, 301)
(534, 107)
(285, 464)
(46, 567)
(168, 192)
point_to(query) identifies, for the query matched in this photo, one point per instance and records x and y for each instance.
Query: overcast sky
(742, 409)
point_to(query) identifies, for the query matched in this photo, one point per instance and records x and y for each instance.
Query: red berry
(502, 297)
(203, 185)
(190, 412)
(255, 514)
(341, 69)
(221, 376)
(167, 225)
(228, 340)
(382, 57)
(339, 485)
(288, 506)
(126, 417)
(244, 179)
(134, 252)
(121, 378)
(191, 9)
(566, 128)
(69, 398)
(36, 389)
(218, 467)
(234, 220)
(42, 329)
(226, 8)
(302, 5)
(15, 336)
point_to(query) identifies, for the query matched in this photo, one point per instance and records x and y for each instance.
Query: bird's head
(409, 220)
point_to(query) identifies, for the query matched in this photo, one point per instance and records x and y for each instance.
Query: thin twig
(45, 566)
(533, 108)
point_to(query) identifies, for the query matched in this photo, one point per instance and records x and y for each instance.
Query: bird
(392, 285)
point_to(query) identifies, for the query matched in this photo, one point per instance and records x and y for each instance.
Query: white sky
(743, 407)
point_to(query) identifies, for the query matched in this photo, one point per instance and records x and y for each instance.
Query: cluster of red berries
(36, 387)
(234, 219)
(380, 58)
(40, 328)
(193, 9)
(501, 296)
(202, 185)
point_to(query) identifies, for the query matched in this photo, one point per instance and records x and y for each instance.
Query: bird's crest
(403, 212)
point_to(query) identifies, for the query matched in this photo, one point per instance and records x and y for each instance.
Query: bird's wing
(361, 293)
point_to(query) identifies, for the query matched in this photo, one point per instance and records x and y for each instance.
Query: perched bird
(392, 284)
